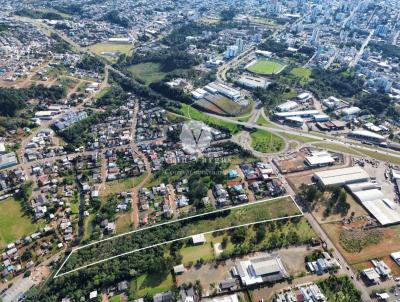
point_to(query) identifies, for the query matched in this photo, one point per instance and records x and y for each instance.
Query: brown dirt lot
(355, 207)
(390, 243)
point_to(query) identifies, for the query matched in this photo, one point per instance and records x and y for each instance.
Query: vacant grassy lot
(389, 243)
(337, 148)
(299, 138)
(13, 224)
(228, 105)
(124, 222)
(379, 156)
(266, 142)
(266, 67)
(123, 185)
(148, 72)
(151, 284)
(302, 73)
(195, 114)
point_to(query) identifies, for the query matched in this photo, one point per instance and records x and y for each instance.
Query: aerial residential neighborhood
(218, 151)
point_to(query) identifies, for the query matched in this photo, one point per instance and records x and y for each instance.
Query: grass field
(13, 224)
(99, 48)
(228, 105)
(302, 73)
(266, 67)
(266, 142)
(148, 72)
(337, 148)
(379, 156)
(123, 185)
(192, 253)
(190, 112)
(151, 285)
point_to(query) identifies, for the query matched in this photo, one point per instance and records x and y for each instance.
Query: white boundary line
(178, 239)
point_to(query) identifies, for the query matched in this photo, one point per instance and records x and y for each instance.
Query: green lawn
(192, 253)
(148, 72)
(302, 73)
(266, 67)
(189, 112)
(151, 284)
(266, 142)
(13, 224)
(115, 299)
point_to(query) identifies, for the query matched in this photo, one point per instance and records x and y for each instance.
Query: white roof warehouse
(340, 177)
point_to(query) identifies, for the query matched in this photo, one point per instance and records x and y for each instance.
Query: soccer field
(266, 67)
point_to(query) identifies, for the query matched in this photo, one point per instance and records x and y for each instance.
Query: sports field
(266, 67)
(158, 235)
(13, 223)
(100, 48)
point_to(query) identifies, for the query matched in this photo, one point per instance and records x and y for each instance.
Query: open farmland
(158, 235)
(266, 67)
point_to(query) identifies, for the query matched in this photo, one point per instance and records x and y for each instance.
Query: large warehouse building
(384, 210)
(340, 177)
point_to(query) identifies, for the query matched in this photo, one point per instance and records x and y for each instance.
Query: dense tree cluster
(35, 14)
(339, 289)
(334, 198)
(59, 45)
(114, 17)
(13, 99)
(115, 96)
(228, 14)
(169, 60)
(273, 95)
(343, 83)
(388, 50)
(91, 63)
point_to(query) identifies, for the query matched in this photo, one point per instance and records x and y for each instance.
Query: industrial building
(340, 177)
(303, 114)
(8, 160)
(319, 159)
(384, 210)
(396, 257)
(364, 135)
(223, 89)
(287, 106)
(253, 82)
(259, 270)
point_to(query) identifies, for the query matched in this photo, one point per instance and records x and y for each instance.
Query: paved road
(361, 51)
